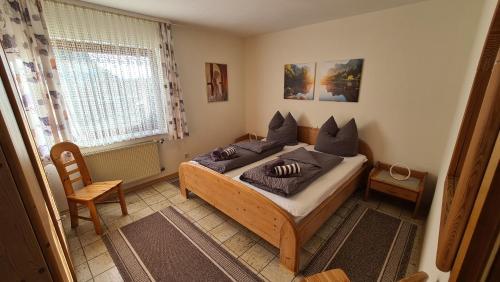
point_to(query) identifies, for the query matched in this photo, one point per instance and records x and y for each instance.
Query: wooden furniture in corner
(410, 189)
(90, 192)
(332, 275)
(338, 275)
(248, 136)
(261, 215)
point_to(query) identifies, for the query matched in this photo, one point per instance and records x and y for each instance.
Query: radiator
(129, 163)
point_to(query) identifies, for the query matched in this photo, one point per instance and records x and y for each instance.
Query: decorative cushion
(341, 142)
(283, 130)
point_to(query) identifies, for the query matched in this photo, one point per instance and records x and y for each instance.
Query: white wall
(429, 248)
(210, 125)
(415, 57)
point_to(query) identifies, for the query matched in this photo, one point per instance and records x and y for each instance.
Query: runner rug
(165, 246)
(368, 246)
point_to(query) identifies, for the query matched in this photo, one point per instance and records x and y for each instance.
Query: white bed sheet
(301, 204)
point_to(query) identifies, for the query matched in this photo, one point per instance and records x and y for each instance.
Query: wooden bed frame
(261, 215)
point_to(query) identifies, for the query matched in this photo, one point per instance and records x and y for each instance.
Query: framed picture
(217, 84)
(340, 80)
(299, 81)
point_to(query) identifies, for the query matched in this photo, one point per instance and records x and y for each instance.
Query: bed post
(182, 183)
(289, 247)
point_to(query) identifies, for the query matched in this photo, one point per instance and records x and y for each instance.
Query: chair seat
(94, 190)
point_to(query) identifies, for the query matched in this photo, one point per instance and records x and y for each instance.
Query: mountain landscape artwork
(299, 81)
(340, 80)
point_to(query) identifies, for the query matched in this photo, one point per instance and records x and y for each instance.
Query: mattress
(302, 203)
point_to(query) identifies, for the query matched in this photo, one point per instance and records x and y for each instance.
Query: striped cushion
(229, 151)
(284, 170)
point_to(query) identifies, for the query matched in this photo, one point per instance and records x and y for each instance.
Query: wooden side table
(332, 275)
(248, 136)
(410, 189)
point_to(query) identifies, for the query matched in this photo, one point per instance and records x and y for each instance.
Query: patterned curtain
(177, 124)
(24, 38)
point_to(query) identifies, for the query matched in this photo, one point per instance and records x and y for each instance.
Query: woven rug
(368, 246)
(165, 246)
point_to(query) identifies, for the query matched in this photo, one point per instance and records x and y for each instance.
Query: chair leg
(123, 204)
(73, 213)
(95, 217)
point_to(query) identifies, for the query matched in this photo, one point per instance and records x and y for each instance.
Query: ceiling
(252, 17)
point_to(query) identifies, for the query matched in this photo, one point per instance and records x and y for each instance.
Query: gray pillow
(283, 130)
(341, 142)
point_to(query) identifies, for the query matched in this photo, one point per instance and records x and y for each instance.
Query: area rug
(165, 246)
(368, 246)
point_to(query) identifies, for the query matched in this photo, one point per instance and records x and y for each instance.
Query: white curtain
(111, 74)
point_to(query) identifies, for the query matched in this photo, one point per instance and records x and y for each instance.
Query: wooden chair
(90, 192)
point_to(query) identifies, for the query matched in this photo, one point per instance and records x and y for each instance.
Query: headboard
(309, 135)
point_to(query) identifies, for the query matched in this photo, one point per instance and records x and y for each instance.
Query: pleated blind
(110, 73)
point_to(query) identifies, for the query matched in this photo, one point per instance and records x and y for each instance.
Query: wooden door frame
(472, 152)
(479, 245)
(20, 151)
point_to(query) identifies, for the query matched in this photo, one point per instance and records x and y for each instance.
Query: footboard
(246, 206)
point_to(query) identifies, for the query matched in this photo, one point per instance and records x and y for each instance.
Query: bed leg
(184, 192)
(289, 248)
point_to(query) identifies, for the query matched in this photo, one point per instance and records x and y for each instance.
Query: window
(110, 72)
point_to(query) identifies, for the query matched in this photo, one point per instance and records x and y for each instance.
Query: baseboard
(151, 182)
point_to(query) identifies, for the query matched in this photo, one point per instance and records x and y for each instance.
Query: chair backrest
(56, 154)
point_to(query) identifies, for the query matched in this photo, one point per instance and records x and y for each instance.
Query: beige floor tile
(171, 193)
(276, 272)
(211, 221)
(161, 205)
(257, 257)
(199, 212)
(269, 247)
(74, 243)
(82, 272)
(94, 249)
(164, 187)
(224, 231)
(104, 208)
(100, 264)
(132, 197)
(188, 205)
(390, 209)
(110, 275)
(154, 199)
(371, 202)
(137, 206)
(147, 192)
(239, 243)
(142, 213)
(314, 244)
(177, 199)
(119, 222)
(88, 238)
(78, 256)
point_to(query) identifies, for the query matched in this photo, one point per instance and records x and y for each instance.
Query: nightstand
(248, 136)
(410, 189)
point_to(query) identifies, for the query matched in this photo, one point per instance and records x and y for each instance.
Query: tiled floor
(93, 262)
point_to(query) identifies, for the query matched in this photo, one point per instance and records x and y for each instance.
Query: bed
(270, 218)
